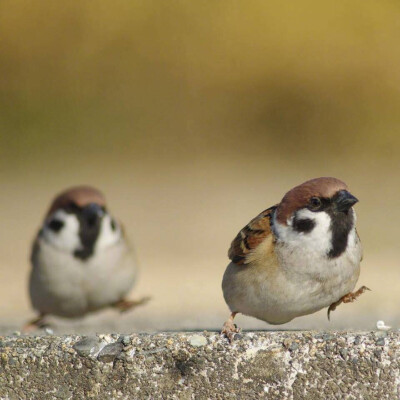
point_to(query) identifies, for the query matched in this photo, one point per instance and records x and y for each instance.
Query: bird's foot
(229, 329)
(35, 324)
(347, 298)
(124, 305)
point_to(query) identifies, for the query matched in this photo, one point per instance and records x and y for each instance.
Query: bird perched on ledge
(81, 260)
(296, 257)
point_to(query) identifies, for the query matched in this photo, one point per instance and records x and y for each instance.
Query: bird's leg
(347, 298)
(229, 329)
(124, 305)
(34, 324)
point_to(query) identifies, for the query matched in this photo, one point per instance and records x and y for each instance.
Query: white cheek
(67, 238)
(107, 236)
(319, 240)
(354, 216)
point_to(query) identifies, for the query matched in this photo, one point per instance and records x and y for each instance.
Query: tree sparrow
(296, 257)
(81, 261)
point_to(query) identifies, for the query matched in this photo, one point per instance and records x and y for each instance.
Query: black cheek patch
(303, 225)
(56, 225)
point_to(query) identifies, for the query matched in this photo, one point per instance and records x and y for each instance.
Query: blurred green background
(192, 117)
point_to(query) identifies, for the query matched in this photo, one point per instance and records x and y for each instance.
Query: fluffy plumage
(295, 258)
(81, 260)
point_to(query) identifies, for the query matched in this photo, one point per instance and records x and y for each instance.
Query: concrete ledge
(202, 365)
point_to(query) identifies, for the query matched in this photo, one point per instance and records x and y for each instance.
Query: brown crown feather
(78, 195)
(299, 196)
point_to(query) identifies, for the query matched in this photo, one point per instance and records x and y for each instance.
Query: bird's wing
(251, 236)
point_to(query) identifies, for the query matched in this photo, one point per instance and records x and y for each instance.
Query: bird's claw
(35, 324)
(126, 305)
(347, 298)
(229, 330)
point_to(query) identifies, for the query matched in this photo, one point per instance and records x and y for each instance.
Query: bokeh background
(192, 117)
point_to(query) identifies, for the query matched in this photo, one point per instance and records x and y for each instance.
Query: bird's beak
(344, 200)
(92, 213)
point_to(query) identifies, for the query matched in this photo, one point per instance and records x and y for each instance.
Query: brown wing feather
(251, 236)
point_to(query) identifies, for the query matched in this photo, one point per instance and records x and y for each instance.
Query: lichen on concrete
(202, 365)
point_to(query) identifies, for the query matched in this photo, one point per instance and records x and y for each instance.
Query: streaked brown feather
(251, 236)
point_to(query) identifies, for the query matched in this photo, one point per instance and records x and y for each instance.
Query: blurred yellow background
(192, 117)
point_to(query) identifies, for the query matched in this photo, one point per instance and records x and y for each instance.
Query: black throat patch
(341, 225)
(89, 230)
(88, 233)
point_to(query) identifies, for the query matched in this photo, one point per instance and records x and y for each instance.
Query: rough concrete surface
(202, 365)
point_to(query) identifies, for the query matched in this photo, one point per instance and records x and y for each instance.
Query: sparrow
(81, 259)
(296, 257)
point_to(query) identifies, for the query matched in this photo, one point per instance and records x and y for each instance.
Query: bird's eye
(113, 224)
(315, 203)
(56, 225)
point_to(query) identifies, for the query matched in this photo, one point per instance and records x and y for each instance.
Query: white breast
(298, 278)
(314, 281)
(61, 284)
